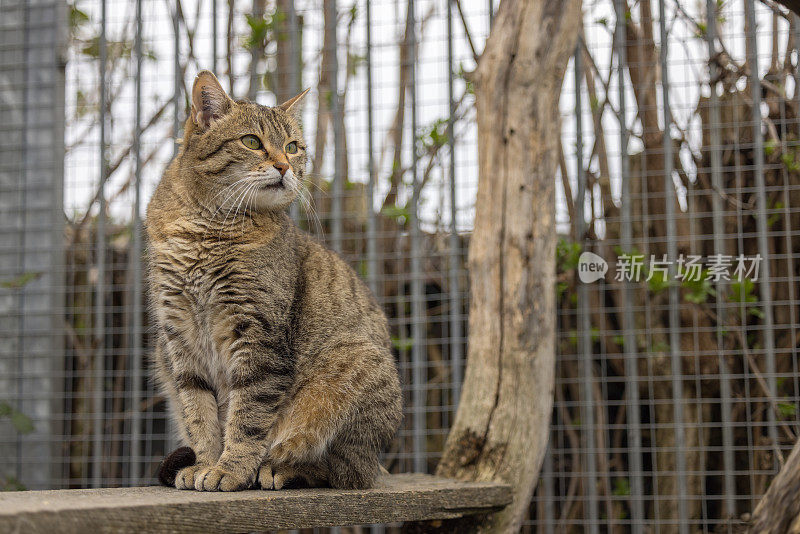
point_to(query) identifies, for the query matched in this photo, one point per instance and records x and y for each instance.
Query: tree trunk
(779, 509)
(501, 428)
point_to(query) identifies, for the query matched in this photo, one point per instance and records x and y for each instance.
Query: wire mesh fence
(677, 379)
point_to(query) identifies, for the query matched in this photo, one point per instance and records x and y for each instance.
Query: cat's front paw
(266, 476)
(216, 478)
(185, 479)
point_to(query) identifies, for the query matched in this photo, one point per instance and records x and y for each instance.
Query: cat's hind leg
(288, 477)
(342, 418)
(353, 386)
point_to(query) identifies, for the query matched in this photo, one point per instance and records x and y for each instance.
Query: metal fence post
(98, 377)
(454, 265)
(337, 187)
(418, 353)
(765, 293)
(729, 482)
(629, 338)
(136, 338)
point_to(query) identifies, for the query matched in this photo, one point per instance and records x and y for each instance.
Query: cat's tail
(174, 462)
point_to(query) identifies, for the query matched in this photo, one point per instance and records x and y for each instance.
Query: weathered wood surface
(408, 497)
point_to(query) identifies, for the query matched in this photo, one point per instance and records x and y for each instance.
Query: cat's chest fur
(196, 283)
(199, 269)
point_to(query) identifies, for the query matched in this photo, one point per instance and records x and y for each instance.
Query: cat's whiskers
(232, 189)
(252, 188)
(306, 200)
(235, 202)
(250, 198)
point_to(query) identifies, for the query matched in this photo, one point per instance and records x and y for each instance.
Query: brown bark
(792, 5)
(501, 428)
(779, 509)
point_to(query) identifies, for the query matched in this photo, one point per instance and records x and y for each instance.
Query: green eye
(252, 142)
(291, 148)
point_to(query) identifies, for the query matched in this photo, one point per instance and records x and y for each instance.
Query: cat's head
(239, 154)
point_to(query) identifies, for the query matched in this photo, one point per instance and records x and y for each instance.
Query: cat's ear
(291, 105)
(210, 102)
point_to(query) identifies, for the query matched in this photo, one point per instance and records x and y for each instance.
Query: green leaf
(561, 288)
(787, 410)
(434, 135)
(775, 217)
(701, 30)
(742, 291)
(790, 162)
(77, 18)
(621, 487)
(573, 338)
(22, 423)
(12, 484)
(660, 346)
(20, 281)
(354, 61)
(698, 291)
(402, 344)
(465, 75)
(396, 212)
(658, 282)
(567, 255)
(770, 146)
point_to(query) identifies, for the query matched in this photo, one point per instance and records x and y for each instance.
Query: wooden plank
(407, 497)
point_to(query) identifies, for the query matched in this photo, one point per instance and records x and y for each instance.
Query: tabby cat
(274, 356)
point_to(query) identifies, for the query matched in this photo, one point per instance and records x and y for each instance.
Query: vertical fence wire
(337, 187)
(294, 73)
(177, 92)
(674, 293)
(20, 266)
(628, 324)
(761, 224)
(136, 342)
(418, 355)
(454, 264)
(177, 77)
(215, 37)
(100, 287)
(720, 249)
(372, 224)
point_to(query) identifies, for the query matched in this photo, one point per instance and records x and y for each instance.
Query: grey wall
(32, 34)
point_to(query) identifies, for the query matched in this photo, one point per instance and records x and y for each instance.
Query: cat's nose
(282, 167)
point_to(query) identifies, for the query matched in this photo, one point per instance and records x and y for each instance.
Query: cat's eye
(252, 142)
(291, 148)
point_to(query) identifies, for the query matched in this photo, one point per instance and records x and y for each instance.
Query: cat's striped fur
(274, 356)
